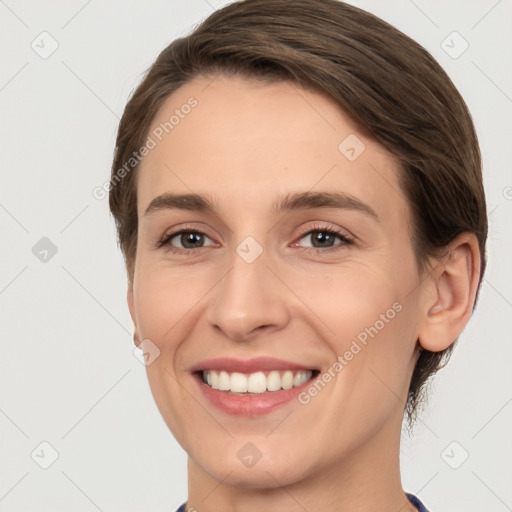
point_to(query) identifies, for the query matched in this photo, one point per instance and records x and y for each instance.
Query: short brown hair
(386, 82)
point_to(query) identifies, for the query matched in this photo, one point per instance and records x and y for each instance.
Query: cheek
(371, 322)
(354, 301)
(165, 300)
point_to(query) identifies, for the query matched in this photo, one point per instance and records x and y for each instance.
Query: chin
(266, 473)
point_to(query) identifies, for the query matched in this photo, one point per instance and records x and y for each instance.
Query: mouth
(257, 382)
(251, 387)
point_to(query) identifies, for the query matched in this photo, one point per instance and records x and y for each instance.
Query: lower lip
(250, 404)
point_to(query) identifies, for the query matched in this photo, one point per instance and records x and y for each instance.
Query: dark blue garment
(415, 501)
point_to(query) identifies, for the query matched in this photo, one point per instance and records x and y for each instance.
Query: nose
(250, 299)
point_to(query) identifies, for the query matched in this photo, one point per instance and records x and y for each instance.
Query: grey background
(68, 375)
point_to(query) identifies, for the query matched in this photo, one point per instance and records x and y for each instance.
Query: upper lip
(249, 365)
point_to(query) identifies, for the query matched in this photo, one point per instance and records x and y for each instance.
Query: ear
(452, 288)
(131, 306)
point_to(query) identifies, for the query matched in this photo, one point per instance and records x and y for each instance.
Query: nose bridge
(249, 296)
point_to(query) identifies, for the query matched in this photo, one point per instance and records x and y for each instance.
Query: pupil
(190, 238)
(322, 237)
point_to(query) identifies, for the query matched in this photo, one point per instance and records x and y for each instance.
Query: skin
(244, 145)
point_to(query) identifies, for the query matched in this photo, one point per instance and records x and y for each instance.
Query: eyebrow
(289, 202)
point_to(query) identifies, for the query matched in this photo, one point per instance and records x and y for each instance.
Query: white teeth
(273, 381)
(224, 381)
(238, 383)
(255, 382)
(287, 380)
(213, 380)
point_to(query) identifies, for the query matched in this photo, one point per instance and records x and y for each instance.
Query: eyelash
(165, 240)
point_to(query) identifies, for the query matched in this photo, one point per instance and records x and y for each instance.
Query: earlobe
(131, 306)
(452, 289)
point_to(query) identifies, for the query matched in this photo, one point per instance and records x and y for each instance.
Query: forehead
(248, 142)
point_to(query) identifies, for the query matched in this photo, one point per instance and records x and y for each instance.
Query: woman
(298, 195)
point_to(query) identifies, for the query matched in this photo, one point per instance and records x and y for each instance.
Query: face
(286, 279)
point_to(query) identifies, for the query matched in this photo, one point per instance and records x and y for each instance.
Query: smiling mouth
(257, 382)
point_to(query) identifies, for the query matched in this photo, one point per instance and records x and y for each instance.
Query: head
(266, 99)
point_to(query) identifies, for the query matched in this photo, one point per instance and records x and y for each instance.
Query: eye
(322, 237)
(185, 240)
